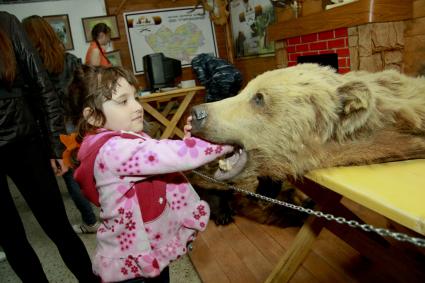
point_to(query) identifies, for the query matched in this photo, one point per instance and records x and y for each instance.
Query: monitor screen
(161, 71)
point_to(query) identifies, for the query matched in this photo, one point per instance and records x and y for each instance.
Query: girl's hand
(188, 128)
(58, 167)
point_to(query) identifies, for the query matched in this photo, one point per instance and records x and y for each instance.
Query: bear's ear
(354, 97)
(356, 105)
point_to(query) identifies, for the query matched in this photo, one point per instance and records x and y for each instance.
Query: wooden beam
(229, 44)
(120, 6)
(353, 14)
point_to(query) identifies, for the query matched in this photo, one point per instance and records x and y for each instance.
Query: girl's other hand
(188, 128)
(58, 167)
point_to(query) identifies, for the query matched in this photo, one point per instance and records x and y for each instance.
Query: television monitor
(161, 71)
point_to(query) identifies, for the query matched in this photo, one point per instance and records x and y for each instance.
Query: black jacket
(62, 81)
(32, 97)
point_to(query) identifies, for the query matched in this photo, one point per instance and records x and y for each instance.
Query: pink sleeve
(150, 157)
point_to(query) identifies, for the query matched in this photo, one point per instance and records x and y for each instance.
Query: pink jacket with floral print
(149, 211)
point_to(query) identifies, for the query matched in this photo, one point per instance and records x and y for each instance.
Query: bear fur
(292, 120)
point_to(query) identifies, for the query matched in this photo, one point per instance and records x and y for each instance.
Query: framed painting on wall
(110, 21)
(60, 24)
(179, 33)
(249, 21)
(114, 57)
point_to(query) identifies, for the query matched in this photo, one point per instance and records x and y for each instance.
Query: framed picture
(110, 21)
(114, 57)
(249, 22)
(60, 24)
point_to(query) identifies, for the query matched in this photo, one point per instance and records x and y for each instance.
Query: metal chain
(341, 220)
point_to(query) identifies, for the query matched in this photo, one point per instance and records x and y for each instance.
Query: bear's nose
(199, 116)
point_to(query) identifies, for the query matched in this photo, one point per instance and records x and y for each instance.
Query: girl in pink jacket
(149, 211)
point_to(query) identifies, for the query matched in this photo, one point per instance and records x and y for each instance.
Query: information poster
(179, 33)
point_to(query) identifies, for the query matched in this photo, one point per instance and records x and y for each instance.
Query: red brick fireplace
(332, 41)
(365, 35)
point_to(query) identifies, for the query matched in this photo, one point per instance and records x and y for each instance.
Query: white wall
(76, 9)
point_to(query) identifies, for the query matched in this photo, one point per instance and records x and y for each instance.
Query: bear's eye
(258, 99)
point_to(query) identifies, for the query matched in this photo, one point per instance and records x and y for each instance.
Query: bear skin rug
(289, 121)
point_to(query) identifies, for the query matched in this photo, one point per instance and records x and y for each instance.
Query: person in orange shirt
(101, 36)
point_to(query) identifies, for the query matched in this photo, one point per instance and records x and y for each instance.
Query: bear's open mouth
(232, 165)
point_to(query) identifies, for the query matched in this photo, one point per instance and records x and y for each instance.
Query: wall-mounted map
(179, 33)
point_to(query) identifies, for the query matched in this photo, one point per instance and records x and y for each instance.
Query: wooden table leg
(173, 123)
(295, 255)
(303, 242)
(157, 115)
(164, 113)
(185, 96)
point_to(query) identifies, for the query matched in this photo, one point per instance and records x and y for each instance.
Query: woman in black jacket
(60, 67)
(28, 102)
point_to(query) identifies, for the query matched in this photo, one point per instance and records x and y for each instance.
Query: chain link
(420, 242)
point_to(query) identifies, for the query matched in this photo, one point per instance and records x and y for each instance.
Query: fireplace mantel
(349, 15)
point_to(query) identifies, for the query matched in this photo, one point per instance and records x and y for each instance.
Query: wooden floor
(246, 252)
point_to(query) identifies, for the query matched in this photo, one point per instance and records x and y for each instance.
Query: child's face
(123, 111)
(103, 38)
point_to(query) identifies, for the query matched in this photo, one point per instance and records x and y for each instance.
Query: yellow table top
(395, 190)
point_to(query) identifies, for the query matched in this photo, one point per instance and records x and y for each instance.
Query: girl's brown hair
(47, 43)
(91, 87)
(7, 60)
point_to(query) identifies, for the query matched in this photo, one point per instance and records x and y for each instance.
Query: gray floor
(181, 271)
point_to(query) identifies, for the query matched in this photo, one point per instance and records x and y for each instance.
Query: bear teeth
(225, 165)
(231, 166)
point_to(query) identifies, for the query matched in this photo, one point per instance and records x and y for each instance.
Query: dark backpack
(220, 78)
(63, 80)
